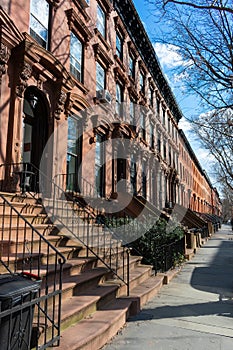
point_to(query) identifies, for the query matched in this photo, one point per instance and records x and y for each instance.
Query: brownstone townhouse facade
(89, 124)
(84, 74)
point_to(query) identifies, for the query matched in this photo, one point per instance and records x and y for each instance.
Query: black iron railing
(71, 214)
(80, 221)
(25, 249)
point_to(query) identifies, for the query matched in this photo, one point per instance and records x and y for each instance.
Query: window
(101, 21)
(133, 175)
(143, 126)
(119, 45)
(159, 143)
(164, 150)
(144, 179)
(158, 105)
(132, 66)
(73, 154)
(170, 155)
(142, 82)
(119, 98)
(132, 115)
(169, 125)
(76, 57)
(152, 138)
(39, 21)
(100, 77)
(164, 116)
(151, 97)
(99, 165)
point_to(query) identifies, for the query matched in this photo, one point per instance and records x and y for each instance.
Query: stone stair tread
(150, 284)
(36, 226)
(85, 276)
(94, 331)
(77, 303)
(25, 215)
(21, 239)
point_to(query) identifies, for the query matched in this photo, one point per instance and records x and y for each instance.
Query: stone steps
(94, 301)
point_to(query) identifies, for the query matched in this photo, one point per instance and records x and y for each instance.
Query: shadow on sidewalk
(218, 308)
(217, 278)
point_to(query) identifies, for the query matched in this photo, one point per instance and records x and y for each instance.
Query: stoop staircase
(90, 282)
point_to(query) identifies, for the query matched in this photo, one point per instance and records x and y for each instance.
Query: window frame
(143, 125)
(132, 69)
(102, 27)
(100, 86)
(74, 154)
(73, 68)
(119, 88)
(35, 35)
(119, 50)
(152, 136)
(142, 82)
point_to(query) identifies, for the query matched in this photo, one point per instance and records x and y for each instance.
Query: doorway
(35, 136)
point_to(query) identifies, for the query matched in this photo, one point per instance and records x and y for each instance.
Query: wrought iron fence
(25, 249)
(69, 212)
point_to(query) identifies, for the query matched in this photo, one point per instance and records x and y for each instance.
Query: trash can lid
(12, 285)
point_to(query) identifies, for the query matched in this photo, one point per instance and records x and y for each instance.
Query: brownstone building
(86, 114)
(60, 58)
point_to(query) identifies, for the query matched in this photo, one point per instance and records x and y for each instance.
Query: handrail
(107, 246)
(33, 228)
(87, 240)
(27, 254)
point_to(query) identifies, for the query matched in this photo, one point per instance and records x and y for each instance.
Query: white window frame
(76, 61)
(101, 21)
(100, 77)
(39, 21)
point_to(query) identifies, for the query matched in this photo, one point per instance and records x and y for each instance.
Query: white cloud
(168, 55)
(185, 125)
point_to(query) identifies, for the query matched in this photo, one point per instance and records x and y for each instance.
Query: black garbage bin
(17, 293)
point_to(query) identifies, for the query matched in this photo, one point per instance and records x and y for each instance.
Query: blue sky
(188, 105)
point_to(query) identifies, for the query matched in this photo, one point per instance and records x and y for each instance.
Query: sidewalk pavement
(194, 311)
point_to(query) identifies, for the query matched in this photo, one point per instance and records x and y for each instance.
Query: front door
(35, 126)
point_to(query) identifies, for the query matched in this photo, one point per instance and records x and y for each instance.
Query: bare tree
(208, 5)
(202, 34)
(215, 130)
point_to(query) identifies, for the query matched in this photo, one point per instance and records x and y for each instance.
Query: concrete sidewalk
(193, 312)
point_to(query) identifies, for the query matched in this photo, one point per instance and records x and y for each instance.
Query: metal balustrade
(25, 249)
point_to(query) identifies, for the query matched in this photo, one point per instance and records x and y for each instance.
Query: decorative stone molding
(133, 91)
(101, 55)
(102, 39)
(76, 24)
(24, 75)
(40, 81)
(119, 26)
(82, 6)
(107, 6)
(4, 57)
(120, 75)
(54, 2)
(60, 105)
(68, 105)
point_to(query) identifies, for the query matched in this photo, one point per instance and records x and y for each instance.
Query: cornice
(101, 54)
(75, 23)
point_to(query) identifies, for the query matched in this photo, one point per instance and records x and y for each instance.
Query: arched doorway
(35, 126)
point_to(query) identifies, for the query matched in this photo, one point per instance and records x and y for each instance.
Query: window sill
(80, 85)
(102, 39)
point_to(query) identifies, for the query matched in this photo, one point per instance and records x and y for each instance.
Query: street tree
(201, 34)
